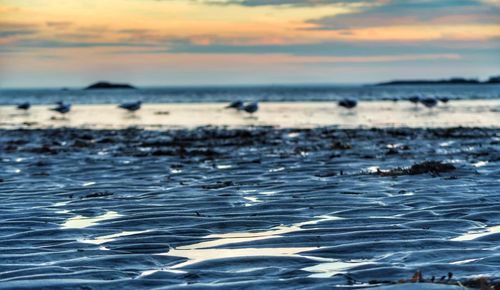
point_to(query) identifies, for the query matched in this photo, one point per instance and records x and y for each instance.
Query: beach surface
(380, 114)
(252, 208)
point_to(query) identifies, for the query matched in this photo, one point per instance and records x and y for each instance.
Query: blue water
(248, 93)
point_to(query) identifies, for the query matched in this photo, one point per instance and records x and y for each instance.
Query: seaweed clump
(431, 167)
(482, 283)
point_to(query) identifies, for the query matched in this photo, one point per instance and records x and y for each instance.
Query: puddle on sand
(205, 251)
(223, 166)
(61, 203)
(447, 143)
(252, 200)
(268, 192)
(109, 238)
(461, 262)
(480, 164)
(80, 222)
(333, 267)
(472, 235)
(150, 272)
(241, 237)
(200, 255)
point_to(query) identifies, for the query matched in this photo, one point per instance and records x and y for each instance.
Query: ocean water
(247, 93)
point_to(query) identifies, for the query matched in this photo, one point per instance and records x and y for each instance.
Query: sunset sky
(46, 43)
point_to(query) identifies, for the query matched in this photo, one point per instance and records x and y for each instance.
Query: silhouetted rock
(494, 80)
(453, 81)
(107, 86)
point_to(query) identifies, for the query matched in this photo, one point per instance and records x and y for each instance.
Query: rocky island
(108, 86)
(452, 81)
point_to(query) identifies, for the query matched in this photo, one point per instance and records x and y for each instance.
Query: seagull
(24, 106)
(238, 105)
(251, 108)
(348, 103)
(62, 108)
(429, 102)
(444, 99)
(414, 99)
(131, 107)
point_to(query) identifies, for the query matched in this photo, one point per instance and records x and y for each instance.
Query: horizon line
(216, 85)
(138, 86)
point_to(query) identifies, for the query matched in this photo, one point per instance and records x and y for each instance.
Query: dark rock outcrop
(108, 86)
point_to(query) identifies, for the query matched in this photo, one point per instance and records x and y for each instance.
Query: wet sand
(252, 208)
(380, 114)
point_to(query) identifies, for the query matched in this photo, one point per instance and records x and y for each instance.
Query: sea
(270, 93)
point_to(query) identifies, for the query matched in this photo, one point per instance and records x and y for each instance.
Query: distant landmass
(108, 86)
(494, 80)
(452, 81)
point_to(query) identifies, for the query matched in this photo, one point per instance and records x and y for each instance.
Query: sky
(71, 43)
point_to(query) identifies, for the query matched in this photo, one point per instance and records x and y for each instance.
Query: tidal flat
(250, 208)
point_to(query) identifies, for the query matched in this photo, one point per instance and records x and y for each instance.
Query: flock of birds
(239, 105)
(347, 103)
(64, 108)
(428, 102)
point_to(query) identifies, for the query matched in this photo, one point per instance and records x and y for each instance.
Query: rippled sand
(468, 113)
(251, 208)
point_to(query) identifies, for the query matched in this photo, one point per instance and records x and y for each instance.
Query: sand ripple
(246, 208)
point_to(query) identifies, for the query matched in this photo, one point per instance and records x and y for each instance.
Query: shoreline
(368, 114)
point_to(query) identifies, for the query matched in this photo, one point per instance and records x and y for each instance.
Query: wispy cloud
(398, 13)
(59, 24)
(14, 29)
(16, 32)
(74, 44)
(295, 38)
(296, 3)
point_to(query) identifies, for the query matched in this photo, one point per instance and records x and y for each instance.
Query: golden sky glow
(180, 40)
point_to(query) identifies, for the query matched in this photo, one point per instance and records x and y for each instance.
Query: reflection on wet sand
(472, 235)
(243, 237)
(252, 200)
(390, 226)
(333, 267)
(305, 115)
(199, 255)
(80, 222)
(109, 238)
(204, 251)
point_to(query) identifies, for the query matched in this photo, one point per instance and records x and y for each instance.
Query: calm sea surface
(248, 93)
